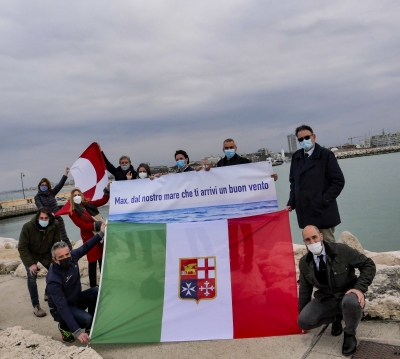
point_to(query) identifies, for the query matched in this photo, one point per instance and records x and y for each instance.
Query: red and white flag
(90, 175)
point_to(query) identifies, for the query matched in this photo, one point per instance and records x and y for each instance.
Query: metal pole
(22, 181)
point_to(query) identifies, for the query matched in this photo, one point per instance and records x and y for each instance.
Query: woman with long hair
(85, 214)
(46, 198)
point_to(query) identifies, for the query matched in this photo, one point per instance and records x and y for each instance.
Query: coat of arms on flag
(197, 278)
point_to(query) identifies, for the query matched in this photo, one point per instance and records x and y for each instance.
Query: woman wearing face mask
(46, 198)
(84, 213)
(143, 171)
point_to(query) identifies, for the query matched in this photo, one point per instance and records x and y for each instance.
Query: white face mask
(78, 199)
(142, 175)
(315, 248)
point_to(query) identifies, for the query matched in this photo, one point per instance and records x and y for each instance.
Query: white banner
(224, 192)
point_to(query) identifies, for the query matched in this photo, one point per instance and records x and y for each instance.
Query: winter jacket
(47, 199)
(118, 172)
(235, 160)
(315, 183)
(64, 285)
(35, 241)
(341, 261)
(86, 224)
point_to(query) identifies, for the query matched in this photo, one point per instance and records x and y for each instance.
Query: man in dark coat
(231, 157)
(46, 198)
(316, 180)
(34, 246)
(124, 171)
(67, 301)
(330, 267)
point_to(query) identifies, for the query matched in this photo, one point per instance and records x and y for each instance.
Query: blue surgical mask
(180, 163)
(306, 144)
(43, 223)
(230, 153)
(125, 167)
(44, 188)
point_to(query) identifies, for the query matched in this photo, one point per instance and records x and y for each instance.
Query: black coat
(235, 160)
(47, 199)
(118, 172)
(315, 183)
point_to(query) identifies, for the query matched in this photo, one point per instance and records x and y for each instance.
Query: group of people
(316, 180)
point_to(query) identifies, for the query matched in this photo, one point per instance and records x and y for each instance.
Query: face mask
(78, 199)
(230, 153)
(44, 188)
(43, 223)
(125, 167)
(306, 144)
(180, 163)
(65, 263)
(315, 248)
(142, 175)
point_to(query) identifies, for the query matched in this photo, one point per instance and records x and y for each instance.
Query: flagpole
(101, 280)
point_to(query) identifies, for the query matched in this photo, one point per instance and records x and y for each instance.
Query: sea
(369, 204)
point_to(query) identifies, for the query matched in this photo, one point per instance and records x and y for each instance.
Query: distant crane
(351, 138)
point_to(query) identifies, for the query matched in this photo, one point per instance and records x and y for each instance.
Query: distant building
(390, 139)
(292, 142)
(159, 169)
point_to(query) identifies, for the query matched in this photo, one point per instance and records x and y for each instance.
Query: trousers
(318, 312)
(32, 286)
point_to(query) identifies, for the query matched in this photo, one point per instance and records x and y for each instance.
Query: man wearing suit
(330, 267)
(316, 180)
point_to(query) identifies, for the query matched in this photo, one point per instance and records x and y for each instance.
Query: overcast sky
(145, 78)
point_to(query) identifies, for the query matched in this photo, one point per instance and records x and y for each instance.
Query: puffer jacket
(35, 242)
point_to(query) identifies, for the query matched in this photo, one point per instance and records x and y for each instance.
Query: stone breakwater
(361, 152)
(382, 298)
(17, 343)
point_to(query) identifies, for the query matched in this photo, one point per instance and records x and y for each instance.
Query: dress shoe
(349, 345)
(39, 312)
(337, 328)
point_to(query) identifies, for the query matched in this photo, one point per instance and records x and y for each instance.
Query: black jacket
(235, 160)
(47, 199)
(315, 183)
(341, 260)
(64, 285)
(118, 172)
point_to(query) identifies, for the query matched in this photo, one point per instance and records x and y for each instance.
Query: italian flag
(221, 279)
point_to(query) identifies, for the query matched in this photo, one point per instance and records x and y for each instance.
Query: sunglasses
(301, 139)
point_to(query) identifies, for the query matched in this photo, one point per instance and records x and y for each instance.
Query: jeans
(317, 313)
(32, 286)
(87, 300)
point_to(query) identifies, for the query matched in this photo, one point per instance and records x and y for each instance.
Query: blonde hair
(71, 199)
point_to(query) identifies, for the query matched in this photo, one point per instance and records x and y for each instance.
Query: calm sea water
(369, 204)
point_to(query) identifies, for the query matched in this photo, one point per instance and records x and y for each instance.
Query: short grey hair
(56, 246)
(125, 157)
(228, 140)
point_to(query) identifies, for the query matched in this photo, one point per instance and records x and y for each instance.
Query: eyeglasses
(301, 139)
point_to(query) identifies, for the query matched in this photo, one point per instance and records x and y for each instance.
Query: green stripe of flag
(134, 270)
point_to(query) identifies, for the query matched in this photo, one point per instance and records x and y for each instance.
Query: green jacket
(35, 243)
(341, 261)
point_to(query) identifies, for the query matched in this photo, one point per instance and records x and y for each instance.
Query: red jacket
(85, 223)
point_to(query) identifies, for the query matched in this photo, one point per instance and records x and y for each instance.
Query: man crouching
(330, 268)
(67, 301)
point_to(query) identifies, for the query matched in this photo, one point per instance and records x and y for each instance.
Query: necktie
(322, 266)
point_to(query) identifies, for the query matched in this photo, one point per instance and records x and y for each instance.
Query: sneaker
(39, 312)
(66, 336)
